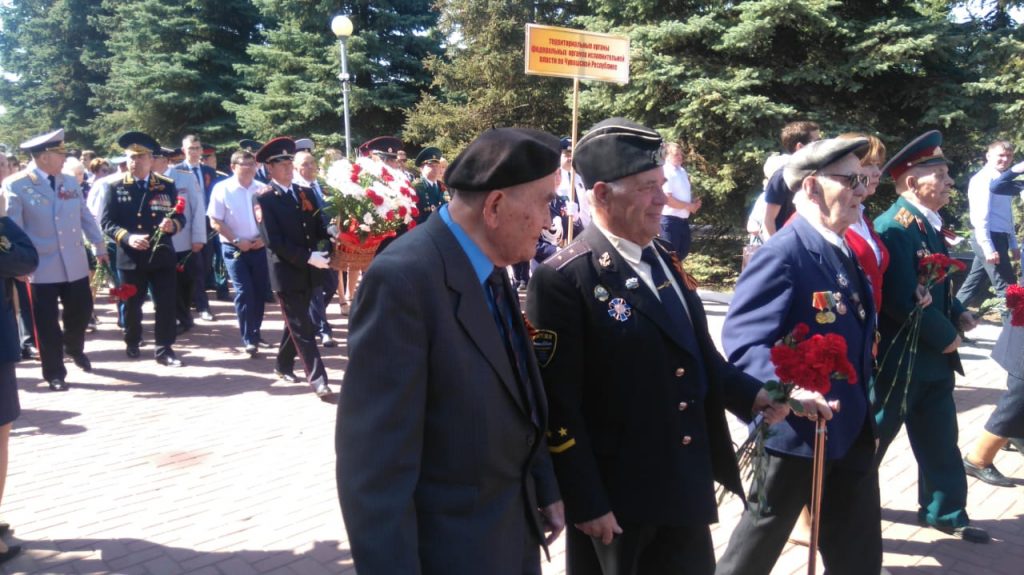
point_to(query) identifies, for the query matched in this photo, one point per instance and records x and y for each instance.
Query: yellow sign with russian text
(567, 53)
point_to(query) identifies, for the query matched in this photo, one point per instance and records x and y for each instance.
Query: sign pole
(575, 127)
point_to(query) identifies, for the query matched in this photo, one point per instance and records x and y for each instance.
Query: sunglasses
(851, 180)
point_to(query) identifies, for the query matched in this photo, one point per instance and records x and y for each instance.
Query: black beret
(616, 148)
(504, 157)
(282, 148)
(817, 155)
(138, 143)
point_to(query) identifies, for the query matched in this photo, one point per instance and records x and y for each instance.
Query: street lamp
(342, 28)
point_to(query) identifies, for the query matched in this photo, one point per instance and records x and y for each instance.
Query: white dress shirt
(231, 203)
(677, 185)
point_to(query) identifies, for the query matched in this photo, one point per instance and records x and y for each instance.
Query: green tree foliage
(291, 86)
(170, 69)
(480, 82)
(724, 77)
(45, 46)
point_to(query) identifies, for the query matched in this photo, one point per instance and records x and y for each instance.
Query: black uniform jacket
(292, 229)
(632, 428)
(130, 209)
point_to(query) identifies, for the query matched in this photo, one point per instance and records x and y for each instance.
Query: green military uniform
(430, 196)
(931, 413)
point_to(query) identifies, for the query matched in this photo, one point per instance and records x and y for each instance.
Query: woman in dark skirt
(1006, 424)
(18, 258)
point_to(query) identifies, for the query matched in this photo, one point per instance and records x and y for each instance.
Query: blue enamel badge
(619, 309)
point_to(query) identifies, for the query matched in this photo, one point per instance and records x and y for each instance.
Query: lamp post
(342, 28)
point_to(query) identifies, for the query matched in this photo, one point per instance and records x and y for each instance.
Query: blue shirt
(482, 265)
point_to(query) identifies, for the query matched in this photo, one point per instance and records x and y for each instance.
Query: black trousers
(643, 550)
(299, 337)
(162, 282)
(851, 524)
(184, 280)
(74, 312)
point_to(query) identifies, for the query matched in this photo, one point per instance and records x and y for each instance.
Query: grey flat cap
(817, 155)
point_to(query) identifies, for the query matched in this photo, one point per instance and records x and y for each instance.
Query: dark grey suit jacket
(1009, 350)
(440, 468)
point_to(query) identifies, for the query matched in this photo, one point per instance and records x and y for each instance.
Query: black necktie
(53, 182)
(504, 316)
(670, 300)
(199, 179)
(142, 185)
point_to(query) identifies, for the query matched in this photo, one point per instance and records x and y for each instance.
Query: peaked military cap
(386, 146)
(163, 152)
(117, 160)
(566, 143)
(250, 144)
(303, 144)
(138, 143)
(428, 155)
(209, 150)
(817, 155)
(924, 150)
(504, 157)
(616, 148)
(276, 150)
(52, 142)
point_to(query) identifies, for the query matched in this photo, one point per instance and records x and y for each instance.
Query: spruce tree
(45, 51)
(291, 86)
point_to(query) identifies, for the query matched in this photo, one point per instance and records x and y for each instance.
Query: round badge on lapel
(619, 309)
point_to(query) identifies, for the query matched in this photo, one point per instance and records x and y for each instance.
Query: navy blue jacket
(18, 257)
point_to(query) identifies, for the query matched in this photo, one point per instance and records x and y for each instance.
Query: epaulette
(222, 174)
(567, 254)
(21, 175)
(183, 169)
(264, 190)
(904, 217)
(163, 178)
(128, 179)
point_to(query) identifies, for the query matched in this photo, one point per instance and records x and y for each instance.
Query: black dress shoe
(1014, 444)
(4, 528)
(965, 532)
(12, 552)
(989, 474)
(132, 351)
(288, 376)
(327, 341)
(169, 359)
(184, 327)
(251, 349)
(57, 385)
(263, 343)
(29, 352)
(82, 361)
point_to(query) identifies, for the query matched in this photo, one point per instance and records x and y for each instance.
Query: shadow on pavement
(45, 422)
(126, 556)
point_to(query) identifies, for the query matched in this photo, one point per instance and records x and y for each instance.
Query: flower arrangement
(368, 202)
(1015, 304)
(931, 270)
(177, 210)
(801, 361)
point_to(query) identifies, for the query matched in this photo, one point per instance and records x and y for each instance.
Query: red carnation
(375, 198)
(1015, 303)
(386, 176)
(402, 211)
(179, 208)
(415, 212)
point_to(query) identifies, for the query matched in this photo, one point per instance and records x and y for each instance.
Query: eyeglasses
(851, 180)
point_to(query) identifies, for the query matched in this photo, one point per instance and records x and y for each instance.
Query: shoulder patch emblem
(564, 256)
(545, 343)
(904, 217)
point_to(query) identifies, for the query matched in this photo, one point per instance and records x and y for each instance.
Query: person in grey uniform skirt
(1006, 424)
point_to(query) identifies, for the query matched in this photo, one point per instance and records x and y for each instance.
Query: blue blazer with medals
(774, 294)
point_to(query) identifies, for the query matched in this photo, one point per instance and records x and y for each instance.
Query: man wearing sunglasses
(806, 274)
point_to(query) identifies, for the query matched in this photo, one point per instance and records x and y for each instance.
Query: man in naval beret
(443, 466)
(637, 391)
(806, 274)
(49, 206)
(294, 232)
(912, 229)
(134, 208)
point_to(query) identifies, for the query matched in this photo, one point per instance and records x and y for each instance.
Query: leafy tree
(170, 68)
(291, 86)
(480, 82)
(45, 49)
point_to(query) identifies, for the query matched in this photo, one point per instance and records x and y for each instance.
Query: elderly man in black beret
(442, 461)
(636, 389)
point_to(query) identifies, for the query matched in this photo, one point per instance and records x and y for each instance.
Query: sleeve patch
(545, 343)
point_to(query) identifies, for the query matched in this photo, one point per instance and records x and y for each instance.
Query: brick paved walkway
(219, 468)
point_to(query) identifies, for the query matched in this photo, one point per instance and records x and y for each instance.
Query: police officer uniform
(52, 211)
(294, 234)
(138, 207)
(430, 195)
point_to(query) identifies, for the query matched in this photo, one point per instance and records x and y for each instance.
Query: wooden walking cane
(817, 485)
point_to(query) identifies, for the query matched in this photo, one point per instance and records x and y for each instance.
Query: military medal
(843, 282)
(605, 260)
(632, 283)
(840, 306)
(619, 309)
(601, 293)
(823, 302)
